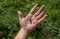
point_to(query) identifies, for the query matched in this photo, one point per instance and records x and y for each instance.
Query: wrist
(25, 30)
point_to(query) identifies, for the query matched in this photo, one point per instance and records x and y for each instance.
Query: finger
(43, 18)
(20, 14)
(28, 17)
(39, 11)
(32, 10)
(40, 15)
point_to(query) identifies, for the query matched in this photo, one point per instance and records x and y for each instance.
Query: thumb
(20, 14)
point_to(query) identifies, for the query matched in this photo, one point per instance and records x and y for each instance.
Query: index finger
(32, 10)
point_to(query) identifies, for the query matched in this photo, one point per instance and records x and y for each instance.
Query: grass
(9, 24)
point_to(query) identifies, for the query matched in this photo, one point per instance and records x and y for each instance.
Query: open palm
(31, 20)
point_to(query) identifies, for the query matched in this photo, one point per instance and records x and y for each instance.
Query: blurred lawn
(9, 24)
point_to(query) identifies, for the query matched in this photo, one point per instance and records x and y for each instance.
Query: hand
(30, 22)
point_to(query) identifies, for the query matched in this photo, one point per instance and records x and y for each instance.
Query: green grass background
(9, 24)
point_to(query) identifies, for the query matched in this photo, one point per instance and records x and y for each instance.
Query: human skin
(29, 23)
